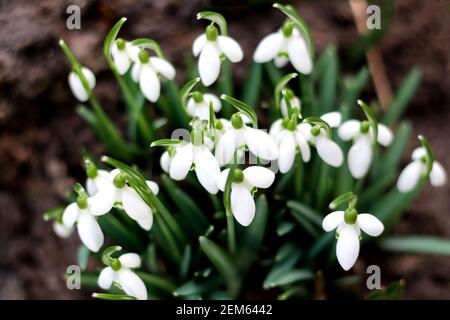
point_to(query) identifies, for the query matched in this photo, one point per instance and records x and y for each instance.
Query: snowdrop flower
(116, 191)
(61, 230)
(195, 154)
(293, 99)
(211, 46)
(327, 149)
(120, 271)
(88, 228)
(123, 54)
(198, 105)
(348, 225)
(412, 173)
(285, 45)
(146, 71)
(258, 142)
(77, 87)
(290, 139)
(243, 183)
(360, 153)
(95, 180)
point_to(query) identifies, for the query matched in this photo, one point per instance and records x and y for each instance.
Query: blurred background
(41, 134)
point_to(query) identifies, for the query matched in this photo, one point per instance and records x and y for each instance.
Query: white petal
(149, 83)
(347, 247)
(163, 67)
(332, 220)
(268, 47)
(61, 230)
(349, 129)
(299, 55)
(242, 204)
(133, 52)
(438, 176)
(70, 214)
(280, 61)
(132, 284)
(360, 156)
(230, 48)
(198, 44)
(153, 186)
(329, 151)
(121, 59)
(287, 152)
(260, 144)
(136, 71)
(130, 260)
(77, 86)
(370, 224)
(385, 135)
(133, 204)
(209, 64)
(207, 169)
(259, 177)
(146, 223)
(305, 130)
(104, 199)
(182, 162)
(276, 129)
(165, 161)
(217, 105)
(89, 231)
(418, 153)
(201, 111)
(222, 179)
(226, 147)
(332, 118)
(409, 177)
(106, 278)
(302, 143)
(295, 104)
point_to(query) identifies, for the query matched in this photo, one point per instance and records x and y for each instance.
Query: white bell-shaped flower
(360, 153)
(348, 225)
(123, 53)
(285, 45)
(211, 46)
(148, 71)
(76, 85)
(94, 184)
(258, 142)
(243, 183)
(61, 230)
(88, 228)
(121, 272)
(328, 150)
(289, 139)
(293, 100)
(412, 173)
(198, 105)
(116, 191)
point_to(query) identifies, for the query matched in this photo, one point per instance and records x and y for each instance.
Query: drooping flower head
(123, 53)
(198, 105)
(76, 85)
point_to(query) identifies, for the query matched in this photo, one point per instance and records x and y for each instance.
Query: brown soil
(41, 134)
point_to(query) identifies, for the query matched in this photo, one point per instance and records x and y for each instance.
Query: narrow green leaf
(160, 283)
(111, 37)
(148, 44)
(328, 81)
(416, 244)
(83, 257)
(109, 296)
(167, 143)
(290, 276)
(112, 227)
(306, 212)
(185, 261)
(242, 107)
(215, 17)
(253, 84)
(280, 86)
(186, 90)
(194, 287)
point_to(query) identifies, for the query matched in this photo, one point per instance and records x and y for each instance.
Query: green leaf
(253, 84)
(393, 292)
(429, 153)
(148, 44)
(157, 283)
(242, 107)
(83, 257)
(109, 296)
(215, 17)
(288, 277)
(284, 227)
(167, 143)
(280, 86)
(285, 259)
(111, 37)
(185, 261)
(306, 212)
(328, 81)
(416, 244)
(273, 72)
(354, 86)
(112, 227)
(194, 287)
(223, 263)
(403, 97)
(54, 213)
(186, 90)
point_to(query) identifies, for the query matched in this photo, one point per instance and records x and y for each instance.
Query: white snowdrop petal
(259, 177)
(299, 55)
(90, 76)
(132, 284)
(191, 105)
(121, 60)
(106, 278)
(385, 135)
(153, 186)
(287, 153)
(222, 179)
(146, 223)
(370, 224)
(216, 104)
(332, 220)
(418, 153)
(329, 151)
(61, 230)
(230, 48)
(77, 88)
(226, 147)
(242, 204)
(130, 260)
(207, 169)
(133, 204)
(136, 71)
(410, 176)
(305, 130)
(260, 144)
(347, 247)
(104, 199)
(202, 111)
(303, 145)
(70, 214)
(280, 61)
(438, 176)
(209, 64)
(91, 189)
(89, 231)
(165, 161)
(149, 83)
(332, 118)
(268, 47)
(276, 129)
(198, 44)
(182, 162)
(133, 52)
(163, 67)
(349, 129)
(360, 157)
